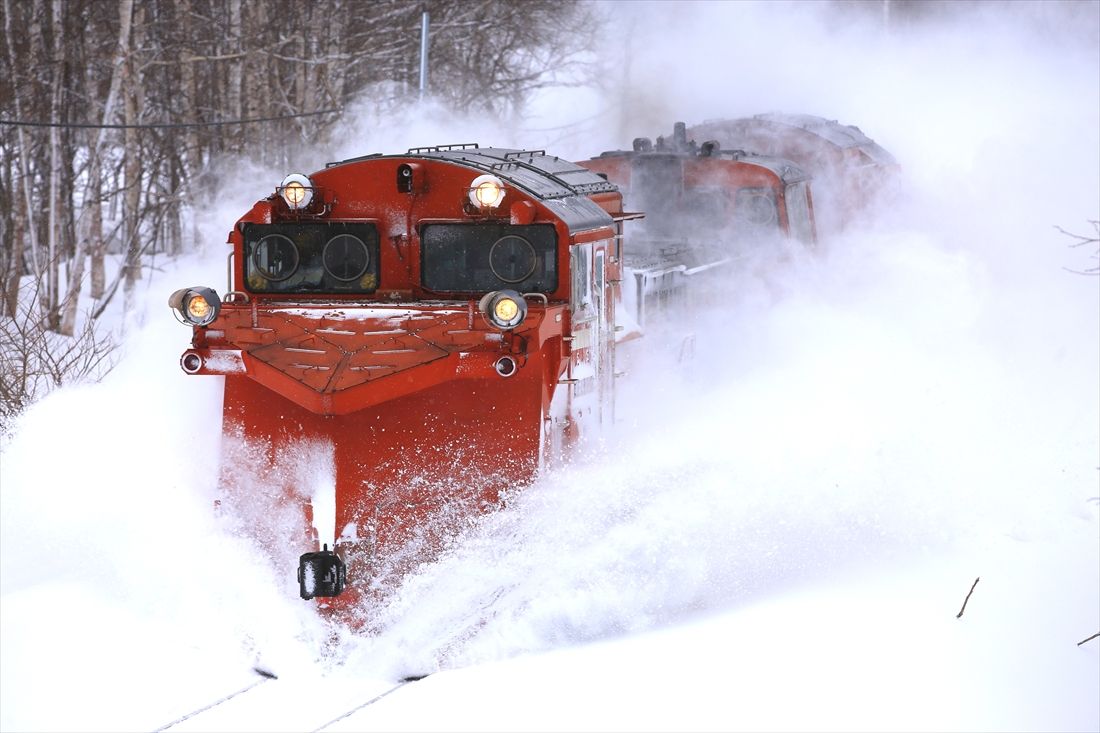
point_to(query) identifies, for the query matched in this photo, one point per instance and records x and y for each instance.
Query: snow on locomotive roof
(562, 185)
(842, 136)
(785, 170)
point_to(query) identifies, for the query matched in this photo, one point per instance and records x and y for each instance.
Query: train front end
(416, 321)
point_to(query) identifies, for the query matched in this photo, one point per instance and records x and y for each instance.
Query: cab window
(328, 258)
(755, 210)
(489, 256)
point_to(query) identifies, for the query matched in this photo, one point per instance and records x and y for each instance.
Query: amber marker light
(486, 191)
(196, 306)
(504, 309)
(296, 190)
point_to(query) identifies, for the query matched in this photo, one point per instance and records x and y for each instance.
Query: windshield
(333, 257)
(489, 256)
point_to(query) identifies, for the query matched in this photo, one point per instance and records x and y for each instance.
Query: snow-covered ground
(783, 529)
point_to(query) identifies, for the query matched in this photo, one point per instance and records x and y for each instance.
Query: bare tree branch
(1081, 241)
(967, 599)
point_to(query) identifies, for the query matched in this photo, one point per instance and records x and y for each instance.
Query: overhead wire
(164, 125)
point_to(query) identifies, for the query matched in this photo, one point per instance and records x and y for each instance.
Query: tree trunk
(132, 166)
(97, 246)
(53, 255)
(67, 323)
(71, 249)
(14, 273)
(191, 160)
(26, 213)
(257, 92)
(53, 232)
(336, 73)
(233, 95)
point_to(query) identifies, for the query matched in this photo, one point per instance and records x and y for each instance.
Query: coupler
(321, 574)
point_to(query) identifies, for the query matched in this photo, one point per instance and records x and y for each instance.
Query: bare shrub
(35, 360)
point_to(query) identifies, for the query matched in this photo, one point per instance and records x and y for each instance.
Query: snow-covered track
(265, 676)
(310, 703)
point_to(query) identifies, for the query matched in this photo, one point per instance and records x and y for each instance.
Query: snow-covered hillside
(782, 531)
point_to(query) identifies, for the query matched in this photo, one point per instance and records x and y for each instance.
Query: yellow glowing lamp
(486, 191)
(295, 193)
(504, 309)
(296, 190)
(197, 306)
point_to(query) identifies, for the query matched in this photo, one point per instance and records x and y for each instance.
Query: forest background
(122, 122)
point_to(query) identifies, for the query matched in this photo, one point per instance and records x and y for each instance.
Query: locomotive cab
(436, 326)
(850, 170)
(706, 207)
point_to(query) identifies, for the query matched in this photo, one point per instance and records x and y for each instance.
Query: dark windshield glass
(327, 258)
(489, 256)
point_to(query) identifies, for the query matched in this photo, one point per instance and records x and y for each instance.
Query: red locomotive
(745, 189)
(439, 325)
(443, 320)
(706, 207)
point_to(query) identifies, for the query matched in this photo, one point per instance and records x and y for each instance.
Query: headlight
(504, 308)
(486, 191)
(195, 306)
(296, 190)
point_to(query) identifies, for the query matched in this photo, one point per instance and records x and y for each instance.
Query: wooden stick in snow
(1088, 639)
(968, 597)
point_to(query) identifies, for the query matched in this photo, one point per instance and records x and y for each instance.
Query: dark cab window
(327, 258)
(489, 256)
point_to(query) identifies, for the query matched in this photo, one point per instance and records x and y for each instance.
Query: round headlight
(486, 191)
(296, 190)
(198, 308)
(504, 308)
(195, 306)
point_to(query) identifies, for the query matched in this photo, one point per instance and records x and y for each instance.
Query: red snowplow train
(444, 322)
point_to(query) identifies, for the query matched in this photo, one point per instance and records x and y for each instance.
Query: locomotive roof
(563, 186)
(842, 136)
(784, 170)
